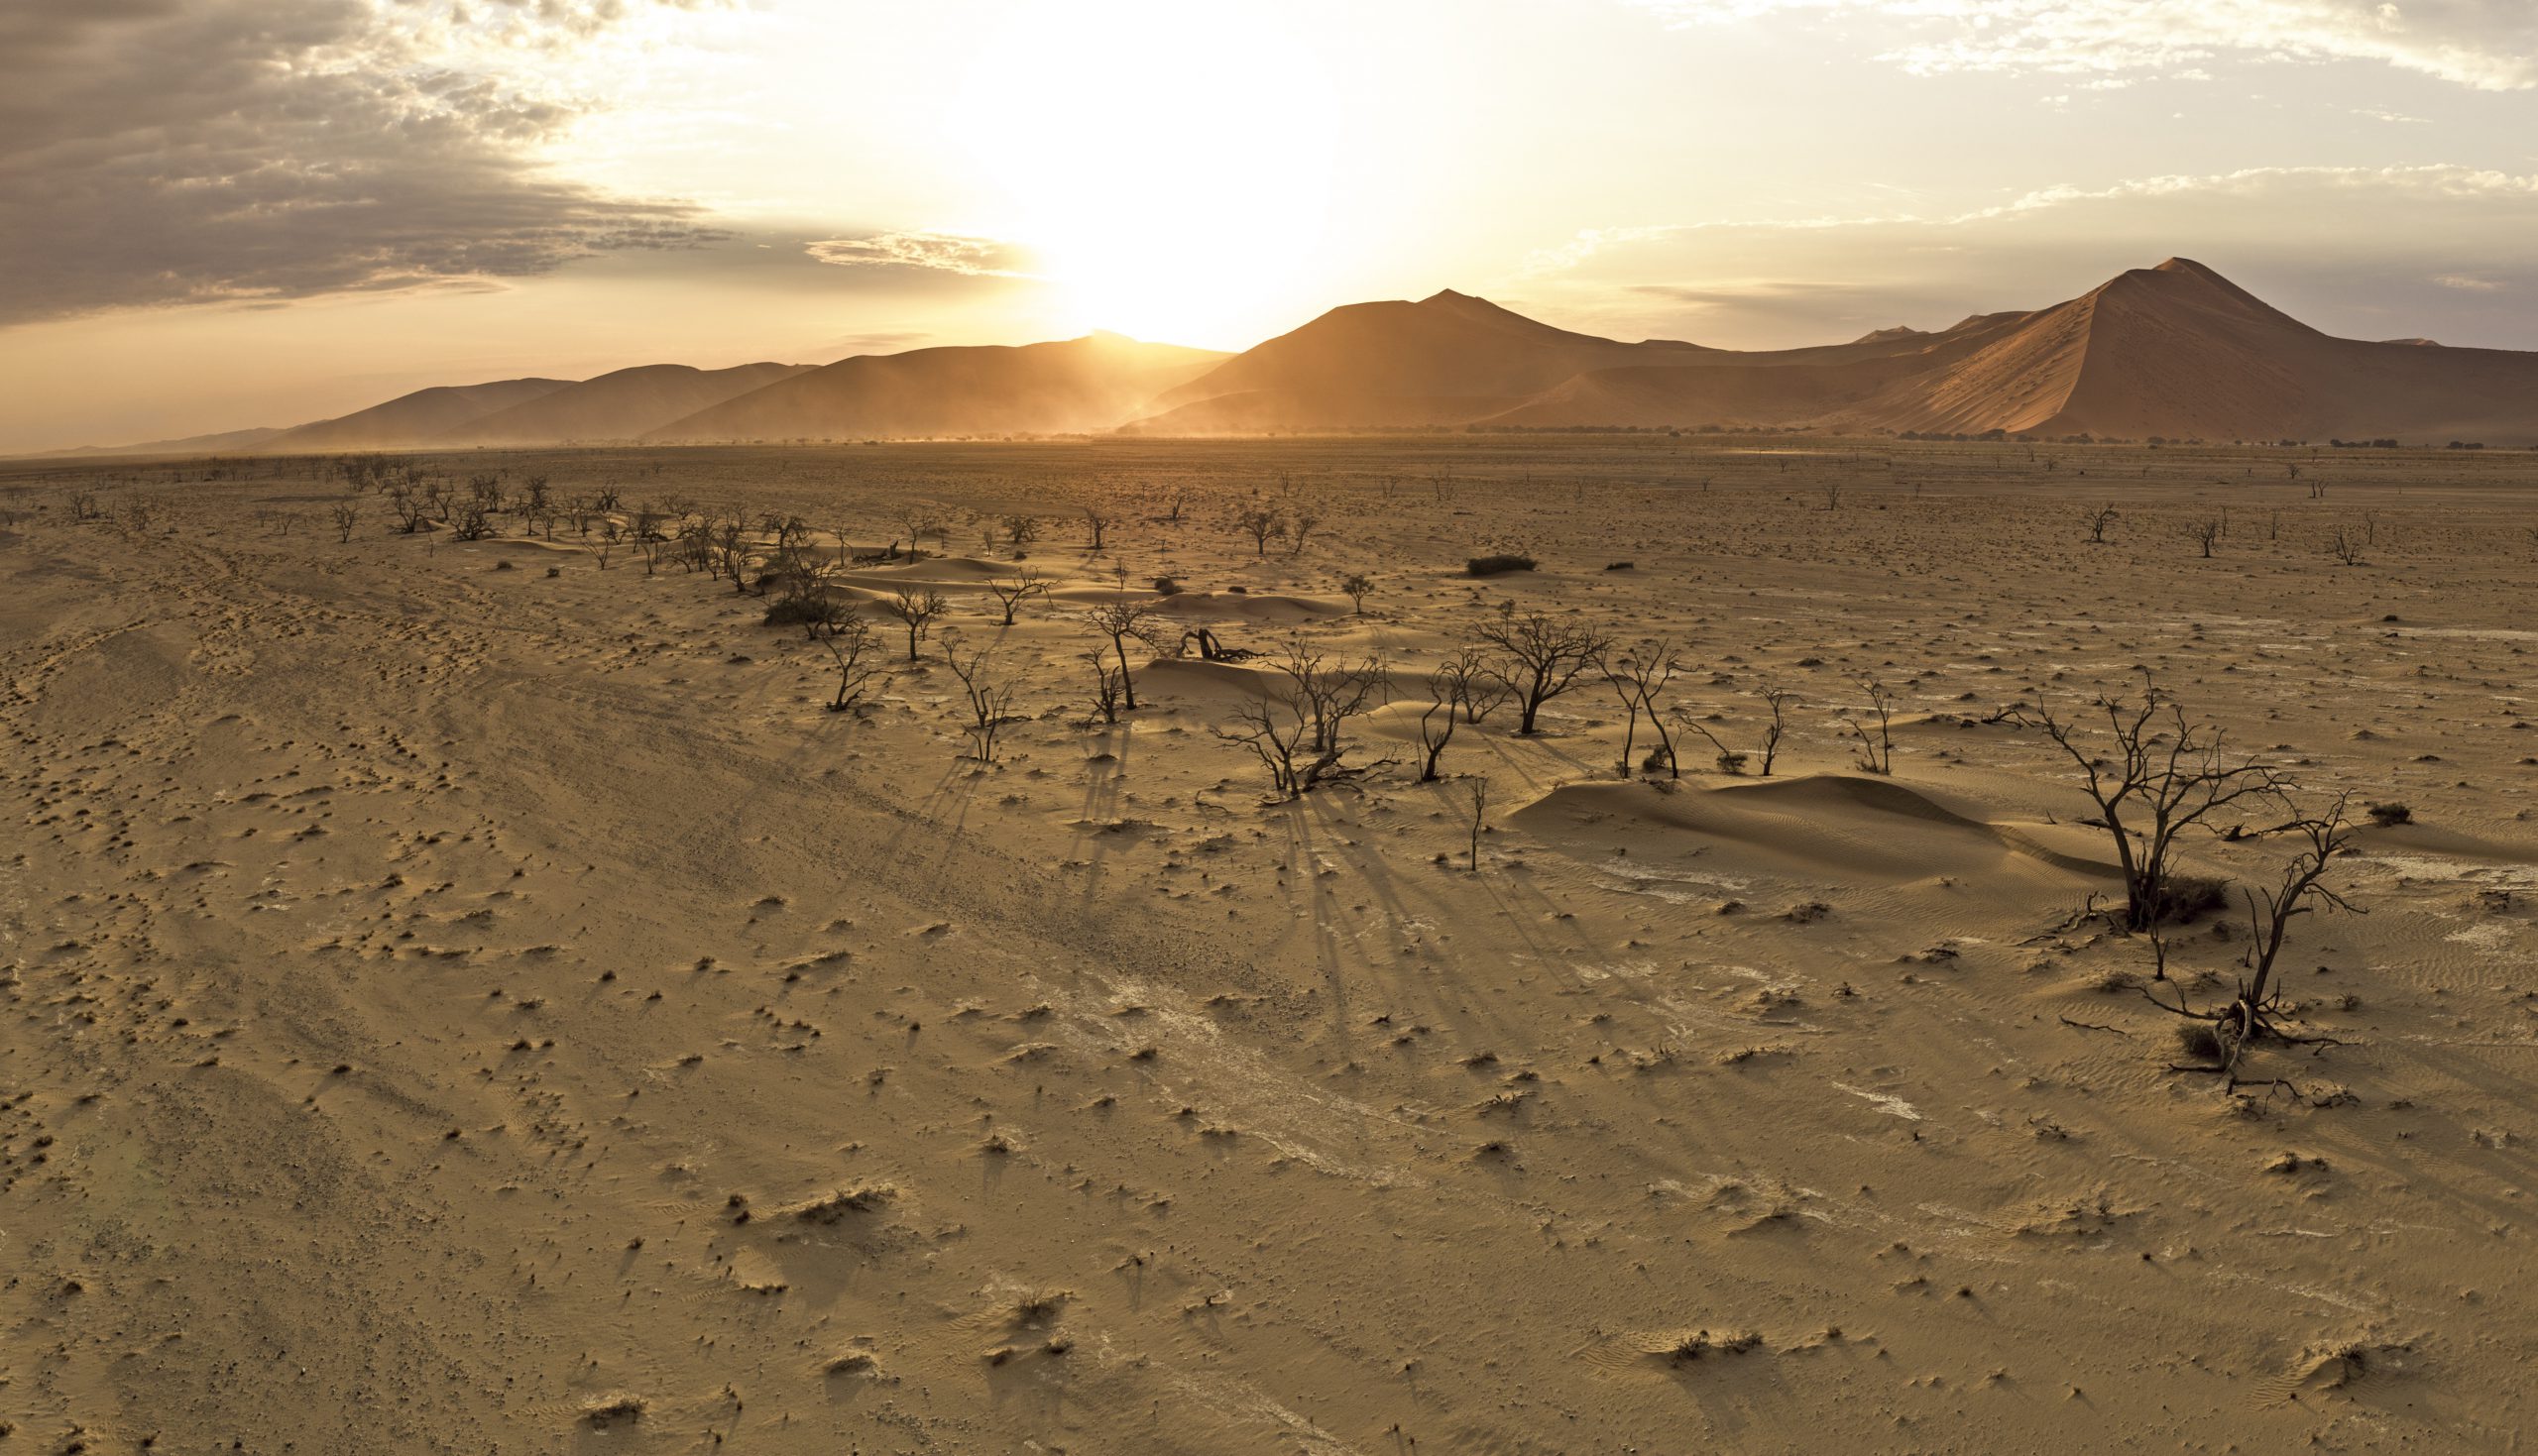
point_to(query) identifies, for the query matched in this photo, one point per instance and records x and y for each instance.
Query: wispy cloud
(951, 253)
(2489, 45)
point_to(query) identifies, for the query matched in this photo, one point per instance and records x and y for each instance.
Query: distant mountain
(227, 440)
(1087, 383)
(2174, 351)
(623, 405)
(417, 420)
(1443, 358)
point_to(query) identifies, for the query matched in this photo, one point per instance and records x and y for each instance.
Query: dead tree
(1260, 523)
(1447, 688)
(1119, 621)
(1481, 690)
(2204, 533)
(1874, 727)
(2153, 773)
(1540, 659)
(1097, 521)
(916, 609)
(986, 696)
(1301, 529)
(410, 511)
(1107, 681)
(1298, 727)
(1733, 760)
(1012, 595)
(2346, 547)
(2255, 1011)
(857, 649)
(346, 516)
(1479, 786)
(1640, 679)
(2098, 519)
(730, 545)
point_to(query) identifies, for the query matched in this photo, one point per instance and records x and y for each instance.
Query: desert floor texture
(462, 996)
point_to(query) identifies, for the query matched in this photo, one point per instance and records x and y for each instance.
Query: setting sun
(1167, 166)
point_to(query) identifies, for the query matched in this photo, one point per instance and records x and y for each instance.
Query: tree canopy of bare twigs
(1539, 659)
(2153, 774)
(1118, 621)
(1298, 727)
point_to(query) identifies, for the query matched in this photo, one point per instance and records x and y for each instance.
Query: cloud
(2489, 45)
(951, 253)
(172, 152)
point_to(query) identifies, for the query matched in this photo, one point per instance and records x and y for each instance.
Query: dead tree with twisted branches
(1297, 727)
(2153, 774)
(2256, 1012)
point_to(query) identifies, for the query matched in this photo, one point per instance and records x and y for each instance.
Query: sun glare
(1169, 165)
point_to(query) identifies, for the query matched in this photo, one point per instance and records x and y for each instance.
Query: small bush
(1498, 565)
(2386, 815)
(2196, 1039)
(1165, 586)
(2187, 897)
(798, 611)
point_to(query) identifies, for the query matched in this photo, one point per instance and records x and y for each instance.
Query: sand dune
(409, 421)
(618, 406)
(1087, 384)
(2173, 352)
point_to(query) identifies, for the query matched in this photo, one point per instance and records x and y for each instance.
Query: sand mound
(1841, 826)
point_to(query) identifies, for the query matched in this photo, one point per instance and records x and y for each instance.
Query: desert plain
(476, 996)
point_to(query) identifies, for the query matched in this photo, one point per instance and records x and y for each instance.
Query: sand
(457, 1006)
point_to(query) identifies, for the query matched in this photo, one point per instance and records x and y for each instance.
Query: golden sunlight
(1169, 165)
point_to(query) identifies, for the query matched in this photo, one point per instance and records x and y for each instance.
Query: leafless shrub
(1639, 678)
(1107, 681)
(1012, 595)
(856, 648)
(1297, 727)
(916, 607)
(2254, 1012)
(1118, 621)
(1873, 726)
(1020, 532)
(986, 696)
(1733, 760)
(2153, 774)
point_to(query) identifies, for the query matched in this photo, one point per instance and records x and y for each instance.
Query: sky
(225, 213)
